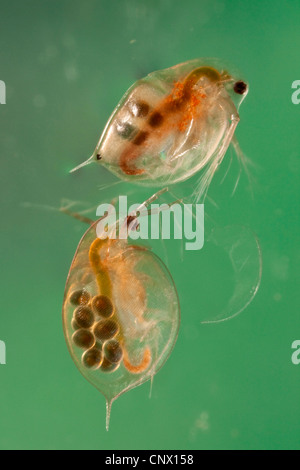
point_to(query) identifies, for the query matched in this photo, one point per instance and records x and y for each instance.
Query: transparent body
(172, 123)
(121, 314)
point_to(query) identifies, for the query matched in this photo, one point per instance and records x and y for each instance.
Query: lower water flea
(122, 325)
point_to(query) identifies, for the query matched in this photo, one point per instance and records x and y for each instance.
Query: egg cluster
(96, 331)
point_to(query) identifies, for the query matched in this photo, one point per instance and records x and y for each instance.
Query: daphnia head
(220, 76)
(235, 87)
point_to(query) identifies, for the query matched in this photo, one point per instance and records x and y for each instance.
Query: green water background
(66, 64)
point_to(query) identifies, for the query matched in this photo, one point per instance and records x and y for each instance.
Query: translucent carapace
(120, 313)
(172, 123)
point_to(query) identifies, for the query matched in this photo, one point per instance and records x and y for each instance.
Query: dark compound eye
(99, 156)
(240, 87)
